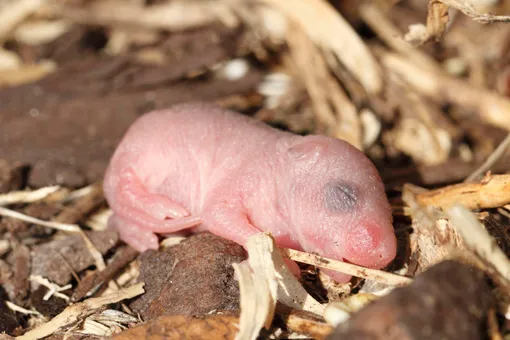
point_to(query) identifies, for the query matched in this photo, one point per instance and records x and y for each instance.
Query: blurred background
(421, 87)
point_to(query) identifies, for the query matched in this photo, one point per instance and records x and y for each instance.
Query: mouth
(372, 246)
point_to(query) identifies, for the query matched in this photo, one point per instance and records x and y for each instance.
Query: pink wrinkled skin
(198, 167)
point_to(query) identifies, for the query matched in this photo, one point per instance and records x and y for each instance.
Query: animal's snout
(371, 245)
(385, 251)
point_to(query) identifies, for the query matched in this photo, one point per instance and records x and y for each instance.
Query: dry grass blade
(9, 60)
(16, 308)
(26, 196)
(391, 35)
(96, 254)
(479, 240)
(492, 192)
(174, 15)
(27, 73)
(41, 32)
(327, 28)
(347, 268)
(493, 108)
(53, 289)
(81, 192)
(78, 311)
(14, 12)
(331, 105)
(491, 160)
(467, 8)
(55, 225)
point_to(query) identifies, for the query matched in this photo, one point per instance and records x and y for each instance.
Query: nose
(371, 245)
(385, 251)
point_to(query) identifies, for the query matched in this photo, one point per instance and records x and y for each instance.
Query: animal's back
(186, 151)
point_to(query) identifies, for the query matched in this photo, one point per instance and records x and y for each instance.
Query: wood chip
(492, 192)
(79, 311)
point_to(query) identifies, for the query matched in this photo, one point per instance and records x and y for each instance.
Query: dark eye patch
(340, 197)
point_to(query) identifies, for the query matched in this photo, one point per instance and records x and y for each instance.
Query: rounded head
(335, 201)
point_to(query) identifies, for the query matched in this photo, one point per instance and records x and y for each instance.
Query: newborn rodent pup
(199, 167)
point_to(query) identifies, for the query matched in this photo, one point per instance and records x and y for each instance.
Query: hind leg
(138, 235)
(139, 238)
(148, 222)
(131, 193)
(157, 213)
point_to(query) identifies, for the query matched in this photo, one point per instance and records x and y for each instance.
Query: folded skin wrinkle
(198, 167)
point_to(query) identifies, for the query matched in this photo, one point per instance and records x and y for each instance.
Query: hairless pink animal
(200, 167)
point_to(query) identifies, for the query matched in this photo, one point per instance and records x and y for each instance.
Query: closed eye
(339, 197)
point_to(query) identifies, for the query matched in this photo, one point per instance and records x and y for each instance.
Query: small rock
(448, 301)
(155, 270)
(193, 277)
